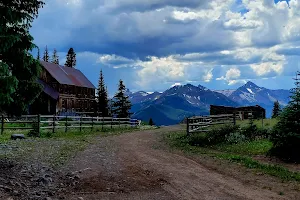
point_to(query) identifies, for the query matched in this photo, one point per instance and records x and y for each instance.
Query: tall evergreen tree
(286, 134)
(55, 58)
(18, 69)
(121, 105)
(71, 58)
(276, 110)
(102, 97)
(38, 57)
(151, 123)
(46, 55)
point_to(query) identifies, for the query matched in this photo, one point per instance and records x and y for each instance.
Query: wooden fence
(198, 124)
(53, 122)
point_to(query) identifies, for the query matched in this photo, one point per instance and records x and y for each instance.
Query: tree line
(286, 133)
(119, 106)
(18, 69)
(70, 58)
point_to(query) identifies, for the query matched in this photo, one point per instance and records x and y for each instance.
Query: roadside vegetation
(277, 138)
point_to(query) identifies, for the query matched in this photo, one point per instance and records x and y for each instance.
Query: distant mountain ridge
(227, 93)
(176, 103)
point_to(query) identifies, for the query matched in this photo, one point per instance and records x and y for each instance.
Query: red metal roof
(67, 75)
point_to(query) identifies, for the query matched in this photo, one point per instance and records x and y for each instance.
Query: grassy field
(265, 123)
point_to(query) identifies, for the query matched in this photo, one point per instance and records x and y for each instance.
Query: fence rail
(53, 122)
(199, 124)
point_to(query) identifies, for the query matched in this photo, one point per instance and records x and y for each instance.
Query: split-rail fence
(198, 124)
(53, 122)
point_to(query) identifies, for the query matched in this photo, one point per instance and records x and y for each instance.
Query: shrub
(286, 134)
(263, 133)
(197, 139)
(235, 137)
(218, 135)
(249, 131)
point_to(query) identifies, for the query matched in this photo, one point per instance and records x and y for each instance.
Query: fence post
(92, 123)
(119, 123)
(187, 126)
(262, 120)
(102, 122)
(66, 129)
(234, 118)
(2, 124)
(80, 124)
(39, 125)
(53, 124)
(112, 119)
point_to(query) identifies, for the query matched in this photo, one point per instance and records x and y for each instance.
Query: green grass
(265, 123)
(86, 132)
(237, 153)
(256, 147)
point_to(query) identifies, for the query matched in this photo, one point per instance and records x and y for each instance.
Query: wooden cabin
(64, 89)
(257, 112)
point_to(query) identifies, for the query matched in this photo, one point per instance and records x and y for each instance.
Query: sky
(154, 44)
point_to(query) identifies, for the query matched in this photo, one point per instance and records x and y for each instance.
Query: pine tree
(71, 58)
(102, 104)
(151, 123)
(286, 134)
(276, 110)
(55, 58)
(38, 57)
(121, 105)
(18, 69)
(46, 55)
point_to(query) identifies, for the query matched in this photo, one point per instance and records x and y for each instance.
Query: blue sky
(152, 45)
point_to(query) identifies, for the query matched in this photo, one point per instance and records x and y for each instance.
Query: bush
(286, 138)
(249, 131)
(197, 139)
(286, 134)
(234, 138)
(218, 135)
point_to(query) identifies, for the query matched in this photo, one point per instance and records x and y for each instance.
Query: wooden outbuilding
(65, 89)
(257, 112)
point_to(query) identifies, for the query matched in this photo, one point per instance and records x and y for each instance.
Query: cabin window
(64, 103)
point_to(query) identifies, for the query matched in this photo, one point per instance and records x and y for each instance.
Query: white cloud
(158, 70)
(267, 67)
(182, 40)
(208, 76)
(232, 75)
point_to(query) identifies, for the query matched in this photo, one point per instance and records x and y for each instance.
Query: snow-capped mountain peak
(227, 93)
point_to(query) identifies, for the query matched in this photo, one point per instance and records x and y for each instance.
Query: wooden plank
(28, 116)
(20, 122)
(212, 123)
(199, 131)
(2, 124)
(17, 127)
(48, 127)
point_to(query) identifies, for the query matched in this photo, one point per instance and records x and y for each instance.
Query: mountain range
(173, 105)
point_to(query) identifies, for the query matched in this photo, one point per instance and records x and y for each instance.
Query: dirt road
(139, 166)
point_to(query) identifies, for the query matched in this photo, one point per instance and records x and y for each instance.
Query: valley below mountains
(173, 105)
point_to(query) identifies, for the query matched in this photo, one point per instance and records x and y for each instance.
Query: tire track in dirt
(130, 166)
